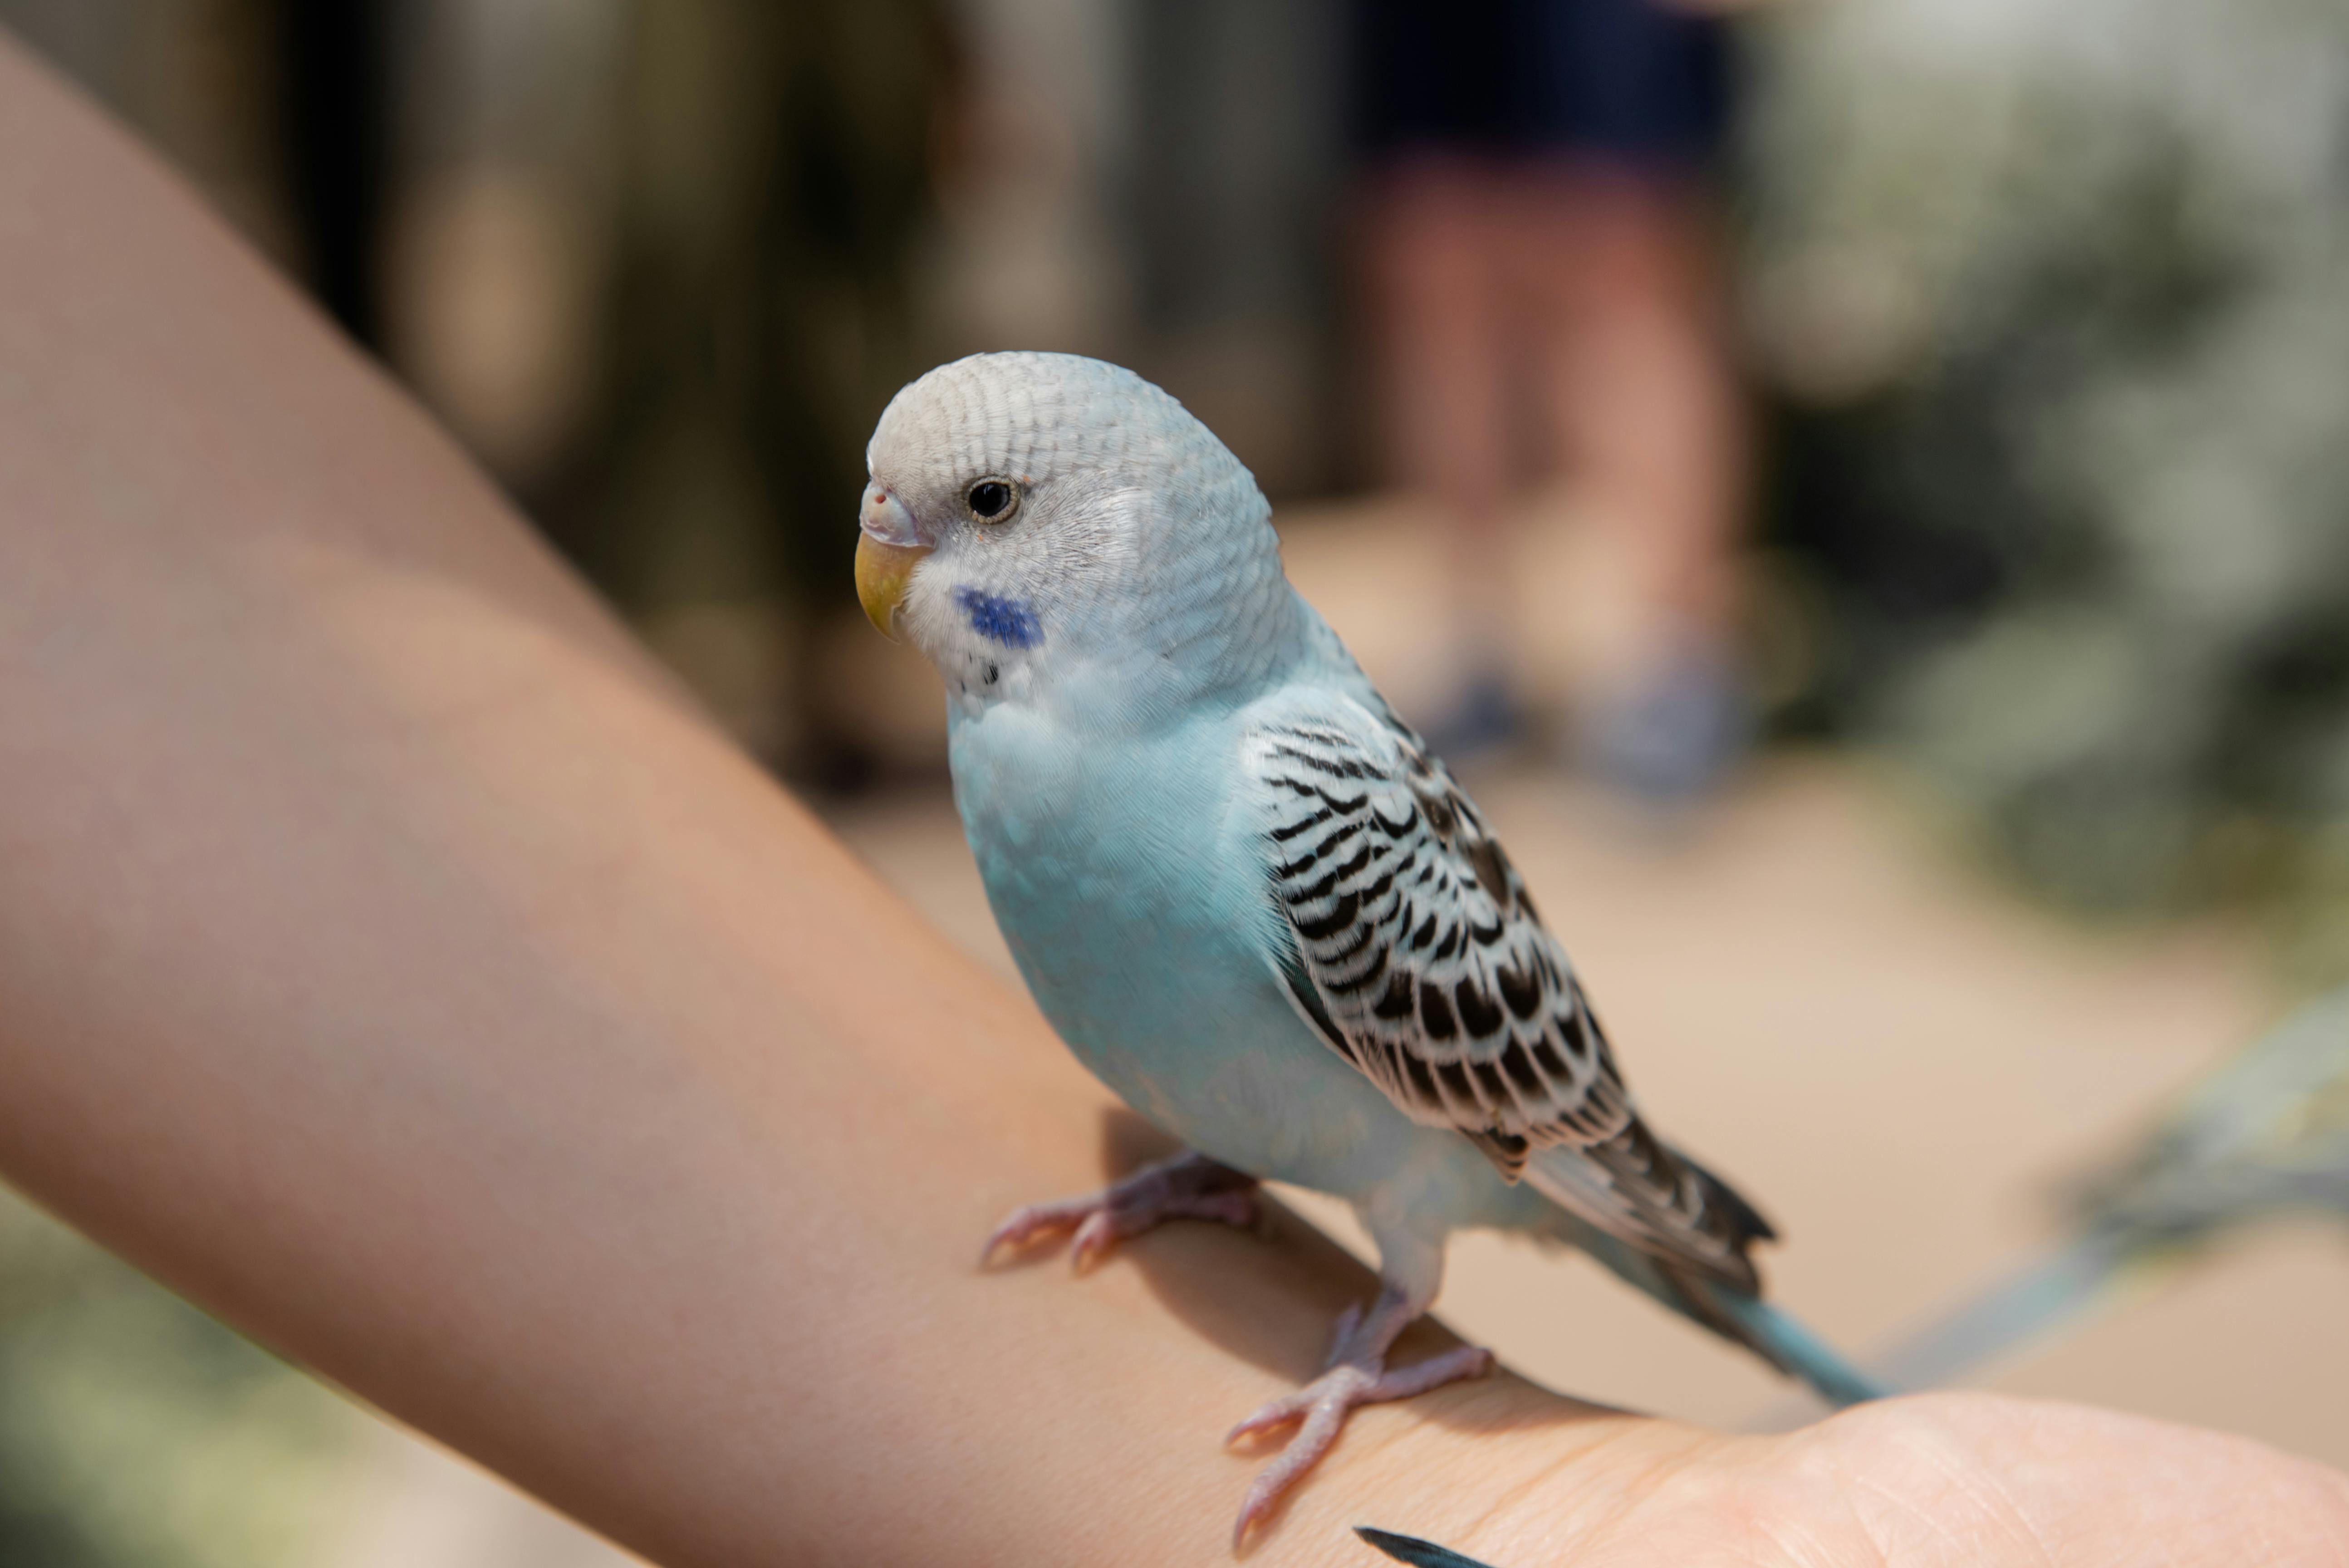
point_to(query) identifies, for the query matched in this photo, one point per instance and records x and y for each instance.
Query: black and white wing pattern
(1417, 955)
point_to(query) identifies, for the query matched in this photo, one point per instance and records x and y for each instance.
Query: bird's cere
(889, 545)
(886, 520)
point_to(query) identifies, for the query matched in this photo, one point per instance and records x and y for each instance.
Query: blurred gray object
(2265, 1135)
(2055, 304)
(1227, 197)
(135, 1432)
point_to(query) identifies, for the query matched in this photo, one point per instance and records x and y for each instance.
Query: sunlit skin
(392, 960)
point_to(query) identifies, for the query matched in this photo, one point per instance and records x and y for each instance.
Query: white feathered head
(1046, 523)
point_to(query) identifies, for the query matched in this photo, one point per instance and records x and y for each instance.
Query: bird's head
(1043, 524)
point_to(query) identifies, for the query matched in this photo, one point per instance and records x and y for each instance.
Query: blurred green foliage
(2056, 299)
(774, 175)
(136, 1432)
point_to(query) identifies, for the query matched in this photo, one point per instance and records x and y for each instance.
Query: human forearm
(391, 960)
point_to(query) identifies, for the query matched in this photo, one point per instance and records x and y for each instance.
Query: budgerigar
(1243, 890)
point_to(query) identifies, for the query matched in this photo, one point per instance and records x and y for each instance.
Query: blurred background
(1861, 485)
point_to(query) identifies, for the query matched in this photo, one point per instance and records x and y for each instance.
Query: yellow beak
(882, 573)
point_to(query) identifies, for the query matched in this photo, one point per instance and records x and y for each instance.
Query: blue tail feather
(1732, 1314)
(1784, 1340)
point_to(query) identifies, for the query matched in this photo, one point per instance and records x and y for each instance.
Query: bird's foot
(1188, 1186)
(1319, 1411)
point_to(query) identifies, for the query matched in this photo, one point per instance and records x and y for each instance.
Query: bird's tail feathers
(1745, 1222)
(1724, 1295)
(1781, 1339)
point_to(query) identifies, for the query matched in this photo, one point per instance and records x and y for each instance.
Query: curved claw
(1338, 1388)
(1027, 1224)
(1321, 1408)
(1094, 1238)
(1190, 1187)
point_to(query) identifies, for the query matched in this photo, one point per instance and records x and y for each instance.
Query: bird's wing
(1412, 949)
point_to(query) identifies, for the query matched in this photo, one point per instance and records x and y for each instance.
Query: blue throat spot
(1006, 621)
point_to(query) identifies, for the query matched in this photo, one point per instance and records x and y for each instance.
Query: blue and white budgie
(1241, 889)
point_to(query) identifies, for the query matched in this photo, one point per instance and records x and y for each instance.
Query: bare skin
(392, 960)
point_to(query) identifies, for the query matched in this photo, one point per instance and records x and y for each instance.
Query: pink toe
(1237, 1210)
(1260, 1498)
(1022, 1227)
(1322, 1408)
(1451, 1367)
(1324, 1420)
(1271, 1418)
(1003, 1235)
(1095, 1236)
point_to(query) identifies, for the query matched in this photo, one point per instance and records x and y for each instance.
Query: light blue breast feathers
(1131, 887)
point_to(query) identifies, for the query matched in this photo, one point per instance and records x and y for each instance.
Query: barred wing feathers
(1416, 953)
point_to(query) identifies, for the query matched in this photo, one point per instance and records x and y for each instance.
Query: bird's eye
(992, 500)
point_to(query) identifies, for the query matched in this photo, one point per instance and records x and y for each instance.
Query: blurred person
(1535, 234)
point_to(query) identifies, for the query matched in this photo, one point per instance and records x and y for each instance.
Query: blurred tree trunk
(776, 182)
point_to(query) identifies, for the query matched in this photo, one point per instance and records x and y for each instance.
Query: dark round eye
(992, 500)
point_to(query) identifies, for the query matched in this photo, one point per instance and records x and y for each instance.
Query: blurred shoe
(1672, 735)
